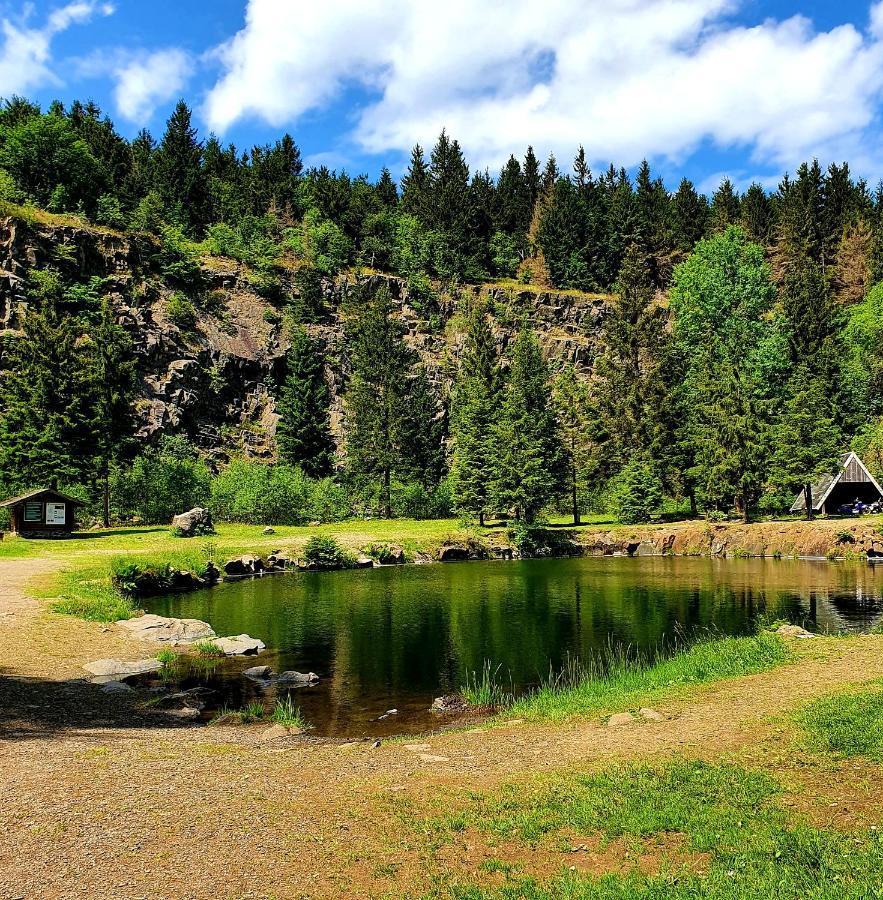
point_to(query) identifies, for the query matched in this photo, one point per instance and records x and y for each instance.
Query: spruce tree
(725, 207)
(415, 186)
(578, 430)
(756, 215)
(376, 413)
(689, 216)
(422, 432)
(808, 443)
(475, 402)
(529, 473)
(177, 170)
(303, 435)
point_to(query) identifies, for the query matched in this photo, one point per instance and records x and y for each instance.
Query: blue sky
(706, 88)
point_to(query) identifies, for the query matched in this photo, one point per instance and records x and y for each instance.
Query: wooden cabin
(43, 513)
(851, 482)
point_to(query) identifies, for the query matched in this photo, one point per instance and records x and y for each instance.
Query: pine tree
(415, 186)
(386, 189)
(807, 439)
(578, 434)
(725, 207)
(304, 434)
(513, 204)
(529, 461)
(630, 390)
(377, 395)
(756, 215)
(422, 431)
(689, 216)
(111, 372)
(177, 170)
(475, 403)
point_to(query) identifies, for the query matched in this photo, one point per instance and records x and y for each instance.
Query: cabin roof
(821, 490)
(40, 494)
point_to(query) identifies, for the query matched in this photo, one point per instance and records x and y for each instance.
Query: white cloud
(25, 53)
(628, 78)
(145, 81)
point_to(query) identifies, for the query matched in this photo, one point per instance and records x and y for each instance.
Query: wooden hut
(851, 482)
(43, 513)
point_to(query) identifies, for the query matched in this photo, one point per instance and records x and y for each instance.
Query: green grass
(846, 724)
(485, 690)
(251, 712)
(730, 815)
(286, 713)
(89, 595)
(208, 648)
(621, 678)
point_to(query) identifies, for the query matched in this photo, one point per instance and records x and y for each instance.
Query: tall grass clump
(485, 690)
(286, 712)
(618, 676)
(848, 724)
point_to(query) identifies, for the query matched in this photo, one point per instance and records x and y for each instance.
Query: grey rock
(166, 630)
(244, 565)
(194, 522)
(258, 673)
(651, 714)
(274, 732)
(297, 678)
(116, 687)
(269, 530)
(453, 553)
(240, 645)
(107, 670)
(364, 562)
(450, 703)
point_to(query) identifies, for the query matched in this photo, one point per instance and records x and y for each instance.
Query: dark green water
(397, 637)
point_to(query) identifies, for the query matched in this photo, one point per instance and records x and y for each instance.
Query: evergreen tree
(807, 439)
(630, 390)
(415, 186)
(377, 396)
(689, 216)
(578, 435)
(756, 215)
(177, 170)
(513, 204)
(304, 434)
(386, 189)
(423, 430)
(111, 373)
(725, 207)
(529, 462)
(475, 402)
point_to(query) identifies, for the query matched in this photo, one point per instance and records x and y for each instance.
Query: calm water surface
(397, 637)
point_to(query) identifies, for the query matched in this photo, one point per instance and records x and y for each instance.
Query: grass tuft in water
(486, 690)
(619, 676)
(209, 649)
(287, 713)
(251, 712)
(848, 724)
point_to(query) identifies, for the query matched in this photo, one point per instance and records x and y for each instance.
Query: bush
(637, 495)
(162, 482)
(329, 502)
(181, 312)
(321, 244)
(177, 258)
(258, 494)
(108, 212)
(322, 552)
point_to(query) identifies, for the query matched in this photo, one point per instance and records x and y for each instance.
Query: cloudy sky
(747, 88)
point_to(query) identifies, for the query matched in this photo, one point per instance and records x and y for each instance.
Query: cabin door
(56, 513)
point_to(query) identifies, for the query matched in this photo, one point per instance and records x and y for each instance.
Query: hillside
(217, 382)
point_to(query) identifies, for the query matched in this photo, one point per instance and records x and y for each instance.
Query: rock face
(107, 670)
(168, 631)
(216, 383)
(193, 523)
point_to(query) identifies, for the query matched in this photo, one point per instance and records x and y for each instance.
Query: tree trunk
(694, 509)
(106, 496)
(481, 518)
(576, 516)
(807, 494)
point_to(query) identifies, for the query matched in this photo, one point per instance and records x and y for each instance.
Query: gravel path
(102, 801)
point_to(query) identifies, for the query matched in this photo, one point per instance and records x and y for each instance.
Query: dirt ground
(103, 800)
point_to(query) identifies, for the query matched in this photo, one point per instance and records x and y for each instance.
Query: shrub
(109, 212)
(321, 244)
(329, 502)
(323, 552)
(181, 312)
(638, 493)
(161, 482)
(255, 493)
(177, 258)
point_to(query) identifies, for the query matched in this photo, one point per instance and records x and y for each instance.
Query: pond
(397, 637)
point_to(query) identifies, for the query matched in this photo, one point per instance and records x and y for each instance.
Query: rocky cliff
(217, 381)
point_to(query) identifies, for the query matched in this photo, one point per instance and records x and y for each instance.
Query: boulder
(258, 673)
(244, 565)
(274, 732)
(211, 573)
(298, 679)
(116, 687)
(239, 645)
(625, 718)
(453, 553)
(450, 703)
(794, 631)
(107, 670)
(651, 714)
(364, 562)
(194, 522)
(269, 530)
(165, 630)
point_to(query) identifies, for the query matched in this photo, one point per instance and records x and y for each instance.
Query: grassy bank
(846, 724)
(685, 830)
(621, 679)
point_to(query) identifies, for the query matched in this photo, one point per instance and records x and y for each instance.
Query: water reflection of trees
(419, 630)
